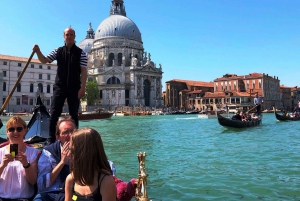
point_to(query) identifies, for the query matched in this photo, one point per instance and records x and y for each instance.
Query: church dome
(86, 45)
(120, 26)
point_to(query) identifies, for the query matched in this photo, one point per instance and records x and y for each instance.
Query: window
(18, 101)
(40, 67)
(5, 63)
(19, 64)
(48, 101)
(113, 80)
(49, 67)
(253, 84)
(31, 88)
(19, 73)
(4, 86)
(19, 87)
(32, 65)
(40, 76)
(31, 101)
(48, 77)
(40, 87)
(4, 73)
(119, 59)
(259, 85)
(111, 58)
(48, 88)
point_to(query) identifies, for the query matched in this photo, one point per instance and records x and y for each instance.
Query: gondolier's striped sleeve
(83, 59)
(52, 56)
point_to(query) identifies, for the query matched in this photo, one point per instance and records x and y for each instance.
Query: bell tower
(117, 8)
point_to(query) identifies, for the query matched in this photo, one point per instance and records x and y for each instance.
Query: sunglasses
(12, 129)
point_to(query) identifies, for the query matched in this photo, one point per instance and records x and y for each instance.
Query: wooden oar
(16, 84)
(252, 108)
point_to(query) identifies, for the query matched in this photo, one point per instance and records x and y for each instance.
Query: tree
(91, 92)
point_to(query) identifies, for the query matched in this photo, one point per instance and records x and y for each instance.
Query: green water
(197, 159)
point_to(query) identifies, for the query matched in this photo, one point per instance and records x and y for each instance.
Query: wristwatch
(27, 166)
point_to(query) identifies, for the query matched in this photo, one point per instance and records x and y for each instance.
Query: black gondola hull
(227, 122)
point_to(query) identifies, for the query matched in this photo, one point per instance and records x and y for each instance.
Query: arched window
(147, 90)
(111, 57)
(48, 88)
(19, 87)
(4, 86)
(40, 87)
(119, 59)
(31, 88)
(113, 80)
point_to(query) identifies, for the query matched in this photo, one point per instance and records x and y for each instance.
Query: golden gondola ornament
(141, 181)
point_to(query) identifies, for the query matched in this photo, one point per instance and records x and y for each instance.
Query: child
(91, 176)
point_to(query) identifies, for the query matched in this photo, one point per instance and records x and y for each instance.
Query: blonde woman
(18, 167)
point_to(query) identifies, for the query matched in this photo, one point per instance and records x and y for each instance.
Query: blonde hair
(15, 119)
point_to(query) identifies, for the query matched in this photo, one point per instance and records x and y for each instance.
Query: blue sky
(193, 39)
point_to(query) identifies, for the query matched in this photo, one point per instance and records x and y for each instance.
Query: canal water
(197, 159)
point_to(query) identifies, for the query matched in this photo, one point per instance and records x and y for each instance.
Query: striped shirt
(83, 58)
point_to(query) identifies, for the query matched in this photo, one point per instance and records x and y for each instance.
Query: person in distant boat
(257, 102)
(18, 167)
(70, 80)
(237, 116)
(297, 107)
(53, 165)
(91, 177)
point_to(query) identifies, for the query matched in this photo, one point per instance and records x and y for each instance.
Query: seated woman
(18, 166)
(91, 176)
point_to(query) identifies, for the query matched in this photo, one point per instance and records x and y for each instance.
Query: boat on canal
(86, 116)
(232, 123)
(287, 117)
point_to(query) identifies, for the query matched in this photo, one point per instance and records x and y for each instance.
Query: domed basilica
(124, 72)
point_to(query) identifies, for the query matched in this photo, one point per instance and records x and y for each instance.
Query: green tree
(91, 92)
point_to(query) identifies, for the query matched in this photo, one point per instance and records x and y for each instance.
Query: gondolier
(70, 80)
(257, 102)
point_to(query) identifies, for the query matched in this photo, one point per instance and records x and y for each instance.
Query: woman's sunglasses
(12, 129)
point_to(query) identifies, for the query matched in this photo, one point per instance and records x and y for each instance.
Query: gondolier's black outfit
(67, 83)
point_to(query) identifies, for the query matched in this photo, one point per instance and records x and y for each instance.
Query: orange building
(226, 90)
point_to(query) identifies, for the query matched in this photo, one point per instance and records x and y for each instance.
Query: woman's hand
(22, 158)
(6, 159)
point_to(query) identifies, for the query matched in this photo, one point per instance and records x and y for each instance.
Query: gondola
(227, 122)
(285, 118)
(38, 125)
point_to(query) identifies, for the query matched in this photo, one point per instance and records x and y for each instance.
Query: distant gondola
(227, 122)
(285, 118)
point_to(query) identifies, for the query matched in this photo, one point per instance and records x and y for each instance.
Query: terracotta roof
(21, 59)
(193, 83)
(221, 94)
(195, 92)
(285, 87)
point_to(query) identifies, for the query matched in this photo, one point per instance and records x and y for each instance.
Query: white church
(124, 72)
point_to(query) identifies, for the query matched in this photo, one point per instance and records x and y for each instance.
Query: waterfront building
(230, 89)
(241, 90)
(124, 72)
(37, 79)
(295, 96)
(286, 98)
(183, 94)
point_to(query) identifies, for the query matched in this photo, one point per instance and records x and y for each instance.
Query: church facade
(124, 72)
